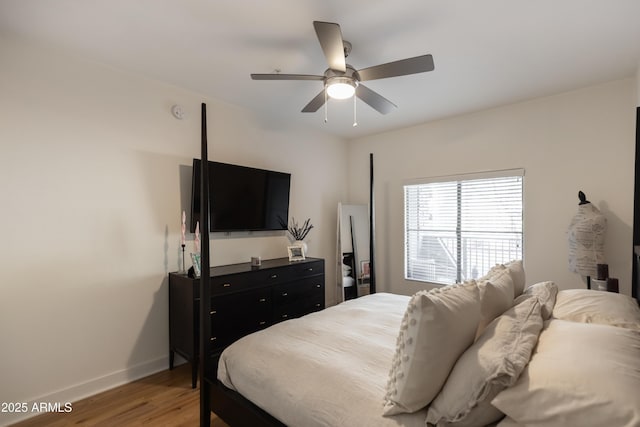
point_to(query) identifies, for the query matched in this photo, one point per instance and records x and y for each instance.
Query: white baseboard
(90, 388)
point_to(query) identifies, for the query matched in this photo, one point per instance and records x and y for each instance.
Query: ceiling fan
(342, 81)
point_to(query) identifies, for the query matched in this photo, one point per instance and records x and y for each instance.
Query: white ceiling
(486, 53)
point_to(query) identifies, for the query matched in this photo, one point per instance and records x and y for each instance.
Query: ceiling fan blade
(330, 38)
(419, 64)
(285, 77)
(315, 103)
(375, 100)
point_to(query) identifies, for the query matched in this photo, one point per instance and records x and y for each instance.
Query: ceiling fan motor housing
(341, 85)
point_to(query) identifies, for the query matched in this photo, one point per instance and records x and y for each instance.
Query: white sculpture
(586, 238)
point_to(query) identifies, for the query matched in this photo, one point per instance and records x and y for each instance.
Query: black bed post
(372, 229)
(635, 273)
(205, 289)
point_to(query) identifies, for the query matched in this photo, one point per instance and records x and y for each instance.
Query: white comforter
(328, 368)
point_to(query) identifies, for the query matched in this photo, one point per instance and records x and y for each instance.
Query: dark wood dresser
(244, 299)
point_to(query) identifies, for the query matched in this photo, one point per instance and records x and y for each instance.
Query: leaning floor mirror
(353, 251)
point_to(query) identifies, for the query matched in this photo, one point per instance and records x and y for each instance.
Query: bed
(573, 356)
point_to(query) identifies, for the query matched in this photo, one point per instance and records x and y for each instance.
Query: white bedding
(328, 368)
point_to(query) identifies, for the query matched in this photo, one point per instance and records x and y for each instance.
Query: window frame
(516, 172)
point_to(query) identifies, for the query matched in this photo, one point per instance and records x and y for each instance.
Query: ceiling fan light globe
(341, 88)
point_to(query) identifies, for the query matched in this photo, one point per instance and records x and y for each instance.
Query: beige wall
(581, 140)
(94, 174)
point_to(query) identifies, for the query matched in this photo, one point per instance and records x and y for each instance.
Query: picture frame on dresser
(296, 253)
(195, 260)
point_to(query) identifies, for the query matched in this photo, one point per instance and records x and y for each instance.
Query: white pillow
(496, 297)
(496, 270)
(546, 293)
(437, 328)
(588, 306)
(516, 269)
(491, 364)
(579, 375)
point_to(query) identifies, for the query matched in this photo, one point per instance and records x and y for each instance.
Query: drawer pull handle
(213, 338)
(226, 285)
(318, 285)
(262, 322)
(263, 299)
(284, 316)
(212, 312)
(318, 305)
(310, 269)
(284, 294)
(274, 276)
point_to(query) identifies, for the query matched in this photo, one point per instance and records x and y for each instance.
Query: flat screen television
(242, 198)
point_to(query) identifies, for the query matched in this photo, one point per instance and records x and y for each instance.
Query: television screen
(242, 198)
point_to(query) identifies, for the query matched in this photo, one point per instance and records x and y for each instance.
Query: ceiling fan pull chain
(355, 116)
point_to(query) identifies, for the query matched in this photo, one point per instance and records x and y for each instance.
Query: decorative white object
(302, 244)
(586, 240)
(196, 240)
(183, 229)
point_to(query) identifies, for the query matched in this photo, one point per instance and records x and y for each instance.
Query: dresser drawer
(292, 292)
(308, 269)
(298, 298)
(236, 315)
(250, 280)
(291, 311)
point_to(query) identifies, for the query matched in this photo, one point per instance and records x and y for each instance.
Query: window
(457, 228)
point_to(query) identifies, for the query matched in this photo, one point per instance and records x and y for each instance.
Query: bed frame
(228, 404)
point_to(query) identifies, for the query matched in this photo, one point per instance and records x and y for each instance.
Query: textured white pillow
(437, 328)
(496, 270)
(516, 269)
(579, 375)
(496, 297)
(546, 293)
(491, 364)
(607, 308)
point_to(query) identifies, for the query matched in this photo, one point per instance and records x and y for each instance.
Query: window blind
(457, 228)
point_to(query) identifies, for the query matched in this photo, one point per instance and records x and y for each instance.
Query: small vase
(302, 244)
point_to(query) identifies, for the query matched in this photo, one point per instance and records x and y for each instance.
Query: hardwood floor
(162, 399)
